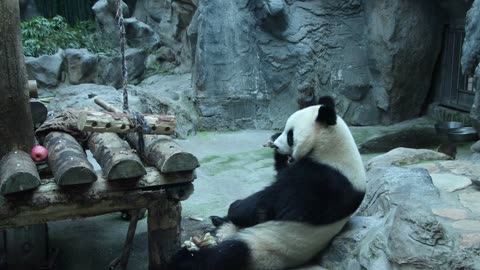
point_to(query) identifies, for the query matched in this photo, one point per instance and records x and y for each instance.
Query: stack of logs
(119, 162)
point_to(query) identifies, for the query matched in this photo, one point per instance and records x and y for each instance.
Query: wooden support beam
(51, 202)
(68, 160)
(163, 233)
(122, 260)
(18, 173)
(117, 159)
(164, 153)
(120, 122)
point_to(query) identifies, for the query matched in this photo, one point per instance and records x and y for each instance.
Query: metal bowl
(464, 134)
(443, 128)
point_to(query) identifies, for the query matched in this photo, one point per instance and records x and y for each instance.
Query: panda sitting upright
(286, 224)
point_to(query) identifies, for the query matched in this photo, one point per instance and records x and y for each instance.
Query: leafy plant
(46, 36)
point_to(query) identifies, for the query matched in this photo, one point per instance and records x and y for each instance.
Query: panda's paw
(218, 221)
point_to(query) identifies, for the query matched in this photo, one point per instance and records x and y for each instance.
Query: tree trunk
(16, 128)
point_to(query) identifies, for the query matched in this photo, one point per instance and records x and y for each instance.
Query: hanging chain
(123, 41)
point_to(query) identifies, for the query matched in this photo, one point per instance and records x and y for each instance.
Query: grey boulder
(80, 65)
(46, 69)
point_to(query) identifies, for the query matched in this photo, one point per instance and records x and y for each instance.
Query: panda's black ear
(326, 113)
(327, 101)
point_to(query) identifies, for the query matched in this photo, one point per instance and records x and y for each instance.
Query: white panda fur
(289, 222)
(296, 243)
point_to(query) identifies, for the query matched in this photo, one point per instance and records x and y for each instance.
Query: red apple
(39, 153)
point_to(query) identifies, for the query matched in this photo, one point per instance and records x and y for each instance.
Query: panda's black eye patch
(290, 137)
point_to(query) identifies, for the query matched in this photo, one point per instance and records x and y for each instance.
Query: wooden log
(32, 88)
(51, 202)
(120, 122)
(163, 233)
(18, 173)
(160, 151)
(164, 153)
(67, 160)
(115, 157)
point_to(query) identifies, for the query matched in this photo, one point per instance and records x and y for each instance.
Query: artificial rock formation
(471, 57)
(46, 69)
(253, 59)
(405, 223)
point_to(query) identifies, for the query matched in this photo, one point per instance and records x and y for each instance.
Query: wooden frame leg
(163, 233)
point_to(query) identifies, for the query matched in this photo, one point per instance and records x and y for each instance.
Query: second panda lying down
(289, 222)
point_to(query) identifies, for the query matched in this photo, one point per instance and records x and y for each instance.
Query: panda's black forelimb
(252, 210)
(281, 161)
(218, 221)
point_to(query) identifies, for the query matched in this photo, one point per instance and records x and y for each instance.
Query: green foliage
(46, 36)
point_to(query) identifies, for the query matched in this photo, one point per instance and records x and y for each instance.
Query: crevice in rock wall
(471, 57)
(403, 39)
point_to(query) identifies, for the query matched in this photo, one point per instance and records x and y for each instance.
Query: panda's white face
(302, 133)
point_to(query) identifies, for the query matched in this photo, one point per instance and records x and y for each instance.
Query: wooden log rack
(160, 193)
(75, 190)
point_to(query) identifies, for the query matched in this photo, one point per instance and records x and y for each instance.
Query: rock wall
(471, 57)
(254, 59)
(170, 19)
(403, 42)
(78, 66)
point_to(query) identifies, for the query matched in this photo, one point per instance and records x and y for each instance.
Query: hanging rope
(136, 119)
(123, 42)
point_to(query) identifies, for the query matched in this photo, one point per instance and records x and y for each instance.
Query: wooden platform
(160, 193)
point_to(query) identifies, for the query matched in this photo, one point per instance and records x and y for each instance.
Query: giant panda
(320, 183)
